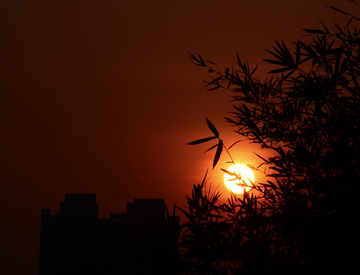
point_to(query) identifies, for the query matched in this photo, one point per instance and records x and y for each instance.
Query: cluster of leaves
(304, 219)
(223, 238)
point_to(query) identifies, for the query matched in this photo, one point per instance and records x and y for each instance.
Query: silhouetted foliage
(304, 218)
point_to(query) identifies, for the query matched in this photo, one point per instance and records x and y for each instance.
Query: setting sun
(244, 172)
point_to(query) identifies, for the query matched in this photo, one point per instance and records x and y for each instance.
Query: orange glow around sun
(233, 184)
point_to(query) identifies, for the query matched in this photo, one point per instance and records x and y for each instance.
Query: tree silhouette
(304, 218)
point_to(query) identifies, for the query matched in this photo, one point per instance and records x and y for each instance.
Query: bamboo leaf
(338, 10)
(211, 62)
(198, 61)
(214, 81)
(239, 61)
(218, 153)
(326, 29)
(214, 88)
(314, 31)
(279, 70)
(260, 157)
(298, 52)
(202, 140)
(281, 63)
(212, 128)
(212, 147)
(201, 60)
(287, 55)
(234, 144)
(254, 70)
(228, 172)
(227, 72)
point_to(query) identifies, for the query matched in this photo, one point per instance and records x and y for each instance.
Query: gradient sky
(101, 97)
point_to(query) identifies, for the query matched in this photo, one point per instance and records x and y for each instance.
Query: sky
(101, 97)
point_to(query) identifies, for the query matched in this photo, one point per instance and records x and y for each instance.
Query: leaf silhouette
(234, 144)
(212, 128)
(218, 153)
(228, 172)
(212, 147)
(283, 56)
(314, 31)
(202, 140)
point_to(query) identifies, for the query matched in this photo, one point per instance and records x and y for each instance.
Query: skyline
(75, 236)
(102, 98)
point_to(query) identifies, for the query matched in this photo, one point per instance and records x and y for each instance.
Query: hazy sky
(101, 97)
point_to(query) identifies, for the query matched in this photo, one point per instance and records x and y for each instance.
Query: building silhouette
(76, 241)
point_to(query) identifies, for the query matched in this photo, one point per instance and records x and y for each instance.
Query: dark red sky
(101, 97)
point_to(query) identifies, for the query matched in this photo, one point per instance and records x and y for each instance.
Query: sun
(244, 173)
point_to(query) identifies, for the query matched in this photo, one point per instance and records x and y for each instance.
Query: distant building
(76, 241)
